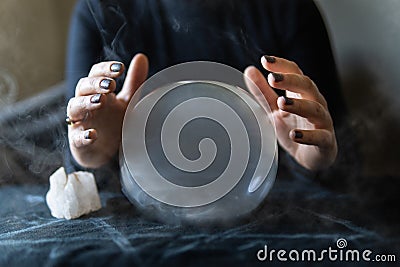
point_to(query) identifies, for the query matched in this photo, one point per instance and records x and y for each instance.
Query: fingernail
(115, 67)
(87, 135)
(277, 77)
(288, 101)
(298, 134)
(95, 99)
(270, 59)
(105, 84)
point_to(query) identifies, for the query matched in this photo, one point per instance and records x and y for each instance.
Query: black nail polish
(270, 59)
(116, 67)
(288, 101)
(95, 99)
(105, 84)
(277, 77)
(298, 134)
(87, 135)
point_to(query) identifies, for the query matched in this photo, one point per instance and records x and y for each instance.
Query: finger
(111, 69)
(323, 139)
(314, 112)
(136, 75)
(78, 107)
(296, 83)
(79, 138)
(277, 64)
(94, 85)
(261, 91)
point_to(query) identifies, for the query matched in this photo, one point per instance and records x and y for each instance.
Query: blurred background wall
(365, 36)
(366, 40)
(32, 46)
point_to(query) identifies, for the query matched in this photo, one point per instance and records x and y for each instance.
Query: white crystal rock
(72, 196)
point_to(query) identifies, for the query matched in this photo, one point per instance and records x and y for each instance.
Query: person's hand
(97, 113)
(303, 123)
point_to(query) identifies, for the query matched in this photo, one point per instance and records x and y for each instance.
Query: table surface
(296, 215)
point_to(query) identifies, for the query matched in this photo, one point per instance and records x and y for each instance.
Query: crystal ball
(198, 146)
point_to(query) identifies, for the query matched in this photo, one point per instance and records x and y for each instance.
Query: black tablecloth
(296, 215)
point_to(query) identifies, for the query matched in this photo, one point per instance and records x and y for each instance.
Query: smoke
(8, 88)
(32, 138)
(178, 27)
(154, 25)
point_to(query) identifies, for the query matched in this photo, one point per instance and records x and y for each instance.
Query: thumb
(136, 75)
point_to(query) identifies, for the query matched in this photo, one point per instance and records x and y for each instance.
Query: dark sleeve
(84, 45)
(84, 50)
(305, 41)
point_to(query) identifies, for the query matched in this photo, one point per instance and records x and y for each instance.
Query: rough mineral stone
(71, 196)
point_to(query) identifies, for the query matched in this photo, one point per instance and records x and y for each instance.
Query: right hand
(98, 113)
(304, 126)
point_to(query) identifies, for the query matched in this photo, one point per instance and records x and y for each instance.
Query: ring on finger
(69, 121)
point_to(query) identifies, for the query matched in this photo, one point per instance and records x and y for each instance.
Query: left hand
(303, 123)
(97, 113)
